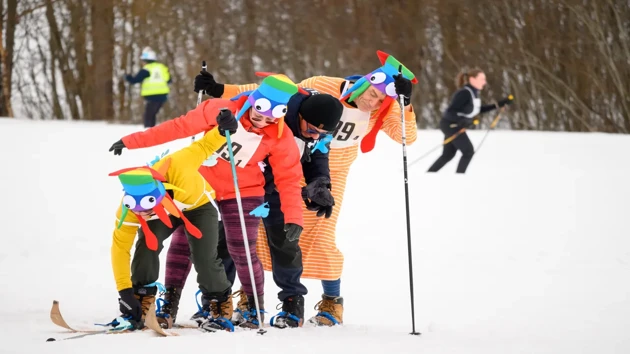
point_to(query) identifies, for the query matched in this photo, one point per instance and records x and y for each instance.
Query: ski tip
(55, 302)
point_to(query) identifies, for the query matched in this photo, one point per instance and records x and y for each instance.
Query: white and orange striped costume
(320, 256)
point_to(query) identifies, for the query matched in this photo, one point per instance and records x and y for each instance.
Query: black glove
(117, 147)
(403, 87)
(205, 81)
(293, 232)
(226, 121)
(317, 196)
(129, 304)
(505, 101)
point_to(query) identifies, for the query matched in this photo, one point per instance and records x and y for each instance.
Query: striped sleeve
(323, 84)
(391, 124)
(230, 91)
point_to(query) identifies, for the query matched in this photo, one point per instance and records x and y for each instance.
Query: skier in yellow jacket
(157, 200)
(370, 105)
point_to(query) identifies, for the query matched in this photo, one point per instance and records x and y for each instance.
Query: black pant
(151, 110)
(461, 143)
(286, 257)
(145, 266)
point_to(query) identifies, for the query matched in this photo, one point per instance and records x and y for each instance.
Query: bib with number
(352, 127)
(244, 146)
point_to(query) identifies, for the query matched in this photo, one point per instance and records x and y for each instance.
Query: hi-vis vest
(157, 82)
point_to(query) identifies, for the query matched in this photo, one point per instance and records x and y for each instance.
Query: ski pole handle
(401, 98)
(204, 67)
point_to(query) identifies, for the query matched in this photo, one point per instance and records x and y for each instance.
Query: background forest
(567, 62)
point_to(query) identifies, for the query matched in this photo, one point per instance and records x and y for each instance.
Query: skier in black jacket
(310, 118)
(465, 105)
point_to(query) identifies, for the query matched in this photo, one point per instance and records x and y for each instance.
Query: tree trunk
(61, 56)
(7, 59)
(102, 70)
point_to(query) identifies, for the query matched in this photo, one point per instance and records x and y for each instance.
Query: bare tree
(101, 71)
(565, 61)
(6, 55)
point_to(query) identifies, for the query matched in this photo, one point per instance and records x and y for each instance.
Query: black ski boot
(168, 307)
(292, 314)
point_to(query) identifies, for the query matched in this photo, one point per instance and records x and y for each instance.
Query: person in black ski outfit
(465, 105)
(310, 117)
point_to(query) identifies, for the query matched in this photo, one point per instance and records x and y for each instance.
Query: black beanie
(322, 111)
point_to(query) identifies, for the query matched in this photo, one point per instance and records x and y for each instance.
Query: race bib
(244, 146)
(352, 126)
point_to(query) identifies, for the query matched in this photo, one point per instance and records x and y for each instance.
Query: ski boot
(292, 314)
(167, 307)
(241, 308)
(146, 297)
(218, 311)
(330, 311)
(251, 317)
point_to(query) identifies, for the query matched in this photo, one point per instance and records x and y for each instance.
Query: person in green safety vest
(155, 79)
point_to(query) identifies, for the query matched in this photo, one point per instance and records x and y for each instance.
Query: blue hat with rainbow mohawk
(146, 189)
(270, 98)
(383, 79)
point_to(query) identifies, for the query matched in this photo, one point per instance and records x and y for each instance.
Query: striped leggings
(178, 256)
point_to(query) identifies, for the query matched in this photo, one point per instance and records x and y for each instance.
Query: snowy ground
(527, 253)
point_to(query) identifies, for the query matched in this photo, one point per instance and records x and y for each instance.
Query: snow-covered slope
(526, 253)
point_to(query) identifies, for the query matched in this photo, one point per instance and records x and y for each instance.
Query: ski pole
(409, 253)
(445, 142)
(493, 124)
(204, 67)
(244, 230)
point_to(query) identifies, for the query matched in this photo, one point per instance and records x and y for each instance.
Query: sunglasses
(309, 130)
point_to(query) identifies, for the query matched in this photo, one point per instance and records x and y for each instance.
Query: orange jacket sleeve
(230, 91)
(196, 121)
(392, 127)
(284, 158)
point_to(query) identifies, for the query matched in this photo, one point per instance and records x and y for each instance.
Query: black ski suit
(465, 105)
(286, 256)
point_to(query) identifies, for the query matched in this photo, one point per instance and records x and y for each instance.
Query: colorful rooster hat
(145, 189)
(270, 98)
(383, 79)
